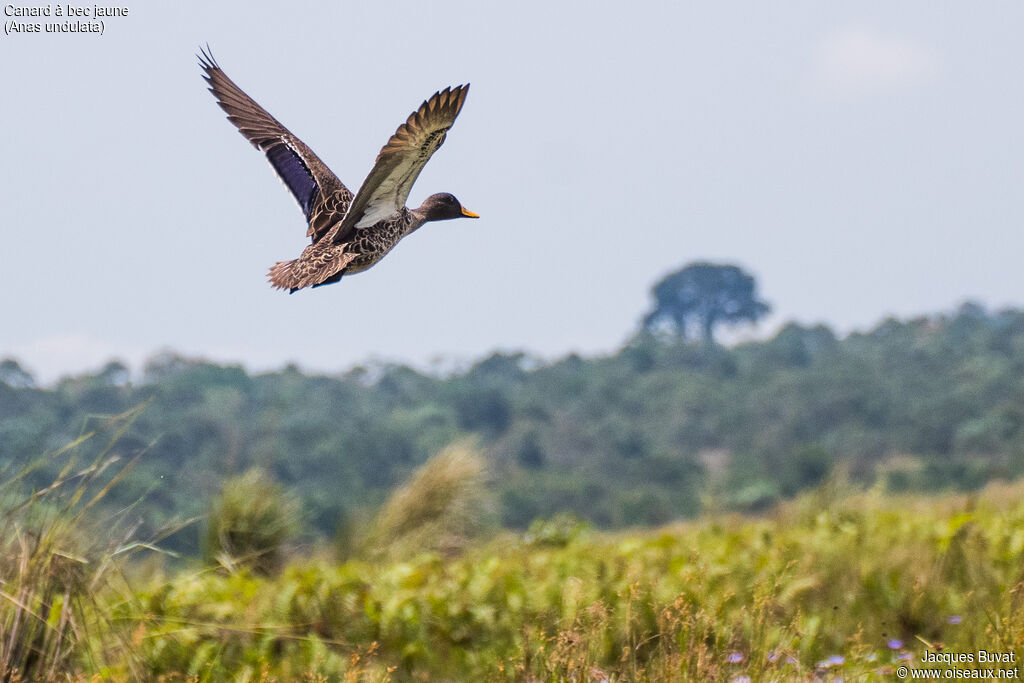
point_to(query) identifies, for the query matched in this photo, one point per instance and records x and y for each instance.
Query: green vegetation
(704, 295)
(62, 560)
(521, 520)
(661, 430)
(250, 523)
(443, 507)
(834, 583)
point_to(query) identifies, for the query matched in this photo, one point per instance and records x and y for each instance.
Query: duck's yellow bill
(469, 214)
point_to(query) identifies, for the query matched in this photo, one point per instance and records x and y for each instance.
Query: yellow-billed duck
(349, 233)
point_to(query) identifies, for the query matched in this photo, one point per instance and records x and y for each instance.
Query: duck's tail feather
(282, 275)
(319, 265)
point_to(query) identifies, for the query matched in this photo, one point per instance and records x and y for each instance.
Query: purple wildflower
(955, 619)
(735, 657)
(895, 643)
(834, 660)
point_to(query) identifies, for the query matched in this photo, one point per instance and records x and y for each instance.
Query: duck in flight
(349, 233)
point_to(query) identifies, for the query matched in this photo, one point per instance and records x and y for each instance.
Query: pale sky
(861, 159)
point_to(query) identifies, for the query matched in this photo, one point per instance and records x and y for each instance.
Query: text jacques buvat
(59, 18)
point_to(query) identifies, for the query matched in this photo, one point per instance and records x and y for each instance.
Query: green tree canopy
(13, 375)
(705, 295)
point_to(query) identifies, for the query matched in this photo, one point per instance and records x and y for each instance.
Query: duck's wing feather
(323, 198)
(385, 190)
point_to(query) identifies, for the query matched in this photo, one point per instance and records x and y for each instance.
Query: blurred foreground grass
(836, 585)
(829, 587)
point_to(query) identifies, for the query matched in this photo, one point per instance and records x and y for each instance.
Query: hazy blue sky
(861, 159)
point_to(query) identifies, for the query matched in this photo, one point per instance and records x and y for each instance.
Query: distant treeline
(659, 430)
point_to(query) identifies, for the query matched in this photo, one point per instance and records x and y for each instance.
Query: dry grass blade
(54, 564)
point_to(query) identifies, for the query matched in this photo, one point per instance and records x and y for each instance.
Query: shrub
(250, 524)
(443, 506)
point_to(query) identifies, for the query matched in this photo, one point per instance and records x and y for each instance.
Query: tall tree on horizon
(705, 295)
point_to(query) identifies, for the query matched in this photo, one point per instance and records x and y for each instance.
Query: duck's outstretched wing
(383, 193)
(323, 198)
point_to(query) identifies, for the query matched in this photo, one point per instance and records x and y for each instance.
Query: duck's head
(443, 206)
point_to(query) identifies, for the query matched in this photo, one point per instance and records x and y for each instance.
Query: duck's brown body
(324, 262)
(349, 233)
